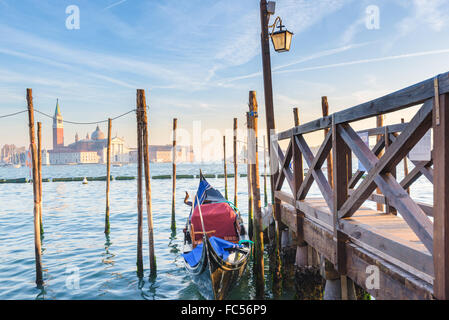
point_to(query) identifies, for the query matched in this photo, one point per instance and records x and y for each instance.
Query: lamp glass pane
(288, 41)
(278, 41)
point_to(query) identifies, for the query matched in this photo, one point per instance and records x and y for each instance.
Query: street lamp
(281, 39)
(282, 43)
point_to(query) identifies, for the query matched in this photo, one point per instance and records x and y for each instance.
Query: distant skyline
(198, 59)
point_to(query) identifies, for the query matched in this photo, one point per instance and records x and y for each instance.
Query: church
(92, 149)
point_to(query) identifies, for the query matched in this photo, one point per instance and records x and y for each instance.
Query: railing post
(298, 176)
(380, 124)
(340, 155)
(388, 208)
(441, 200)
(405, 163)
(330, 165)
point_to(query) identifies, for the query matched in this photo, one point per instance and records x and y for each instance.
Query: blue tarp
(219, 245)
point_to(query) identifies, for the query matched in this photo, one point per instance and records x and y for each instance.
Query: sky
(198, 59)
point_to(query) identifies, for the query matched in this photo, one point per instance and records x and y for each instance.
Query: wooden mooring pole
(173, 199)
(249, 176)
(225, 168)
(143, 108)
(236, 164)
(37, 233)
(255, 181)
(139, 187)
(39, 165)
(107, 225)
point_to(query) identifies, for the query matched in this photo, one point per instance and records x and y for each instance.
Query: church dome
(97, 134)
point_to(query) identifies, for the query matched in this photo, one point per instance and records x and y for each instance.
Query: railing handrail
(402, 99)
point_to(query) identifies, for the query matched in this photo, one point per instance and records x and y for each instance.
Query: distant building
(163, 154)
(10, 154)
(88, 150)
(45, 157)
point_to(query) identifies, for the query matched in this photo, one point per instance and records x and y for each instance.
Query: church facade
(92, 149)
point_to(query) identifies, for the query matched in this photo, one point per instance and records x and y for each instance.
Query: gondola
(216, 245)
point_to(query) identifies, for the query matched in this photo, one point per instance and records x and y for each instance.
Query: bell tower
(58, 129)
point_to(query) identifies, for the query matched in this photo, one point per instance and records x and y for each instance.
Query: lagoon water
(75, 246)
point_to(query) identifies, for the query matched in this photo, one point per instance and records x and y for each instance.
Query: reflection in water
(42, 292)
(108, 256)
(173, 245)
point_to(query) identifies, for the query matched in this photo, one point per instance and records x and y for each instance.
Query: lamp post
(282, 43)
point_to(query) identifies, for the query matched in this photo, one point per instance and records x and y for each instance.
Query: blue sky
(198, 59)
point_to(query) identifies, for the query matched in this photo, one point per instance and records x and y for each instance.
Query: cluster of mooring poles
(143, 167)
(37, 186)
(143, 163)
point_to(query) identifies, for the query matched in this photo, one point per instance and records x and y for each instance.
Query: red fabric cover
(219, 219)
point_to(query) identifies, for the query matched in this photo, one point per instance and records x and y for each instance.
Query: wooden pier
(407, 243)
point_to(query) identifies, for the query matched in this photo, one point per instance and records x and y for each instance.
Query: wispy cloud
(313, 56)
(363, 61)
(433, 14)
(115, 4)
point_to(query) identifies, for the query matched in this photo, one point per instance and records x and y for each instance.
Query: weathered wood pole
(139, 187)
(298, 174)
(380, 124)
(146, 156)
(405, 163)
(340, 152)
(441, 200)
(330, 167)
(173, 199)
(249, 178)
(388, 208)
(225, 168)
(265, 172)
(235, 162)
(107, 226)
(37, 233)
(269, 114)
(255, 181)
(39, 165)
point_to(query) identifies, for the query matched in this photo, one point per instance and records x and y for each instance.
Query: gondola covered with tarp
(216, 246)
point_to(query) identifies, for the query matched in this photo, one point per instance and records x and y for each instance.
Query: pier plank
(388, 234)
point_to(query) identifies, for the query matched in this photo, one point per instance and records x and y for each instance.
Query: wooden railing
(350, 192)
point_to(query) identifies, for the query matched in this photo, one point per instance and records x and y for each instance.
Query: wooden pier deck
(375, 238)
(407, 242)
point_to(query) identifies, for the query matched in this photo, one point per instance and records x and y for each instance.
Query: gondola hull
(214, 277)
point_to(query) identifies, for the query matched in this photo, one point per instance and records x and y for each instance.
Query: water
(74, 241)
